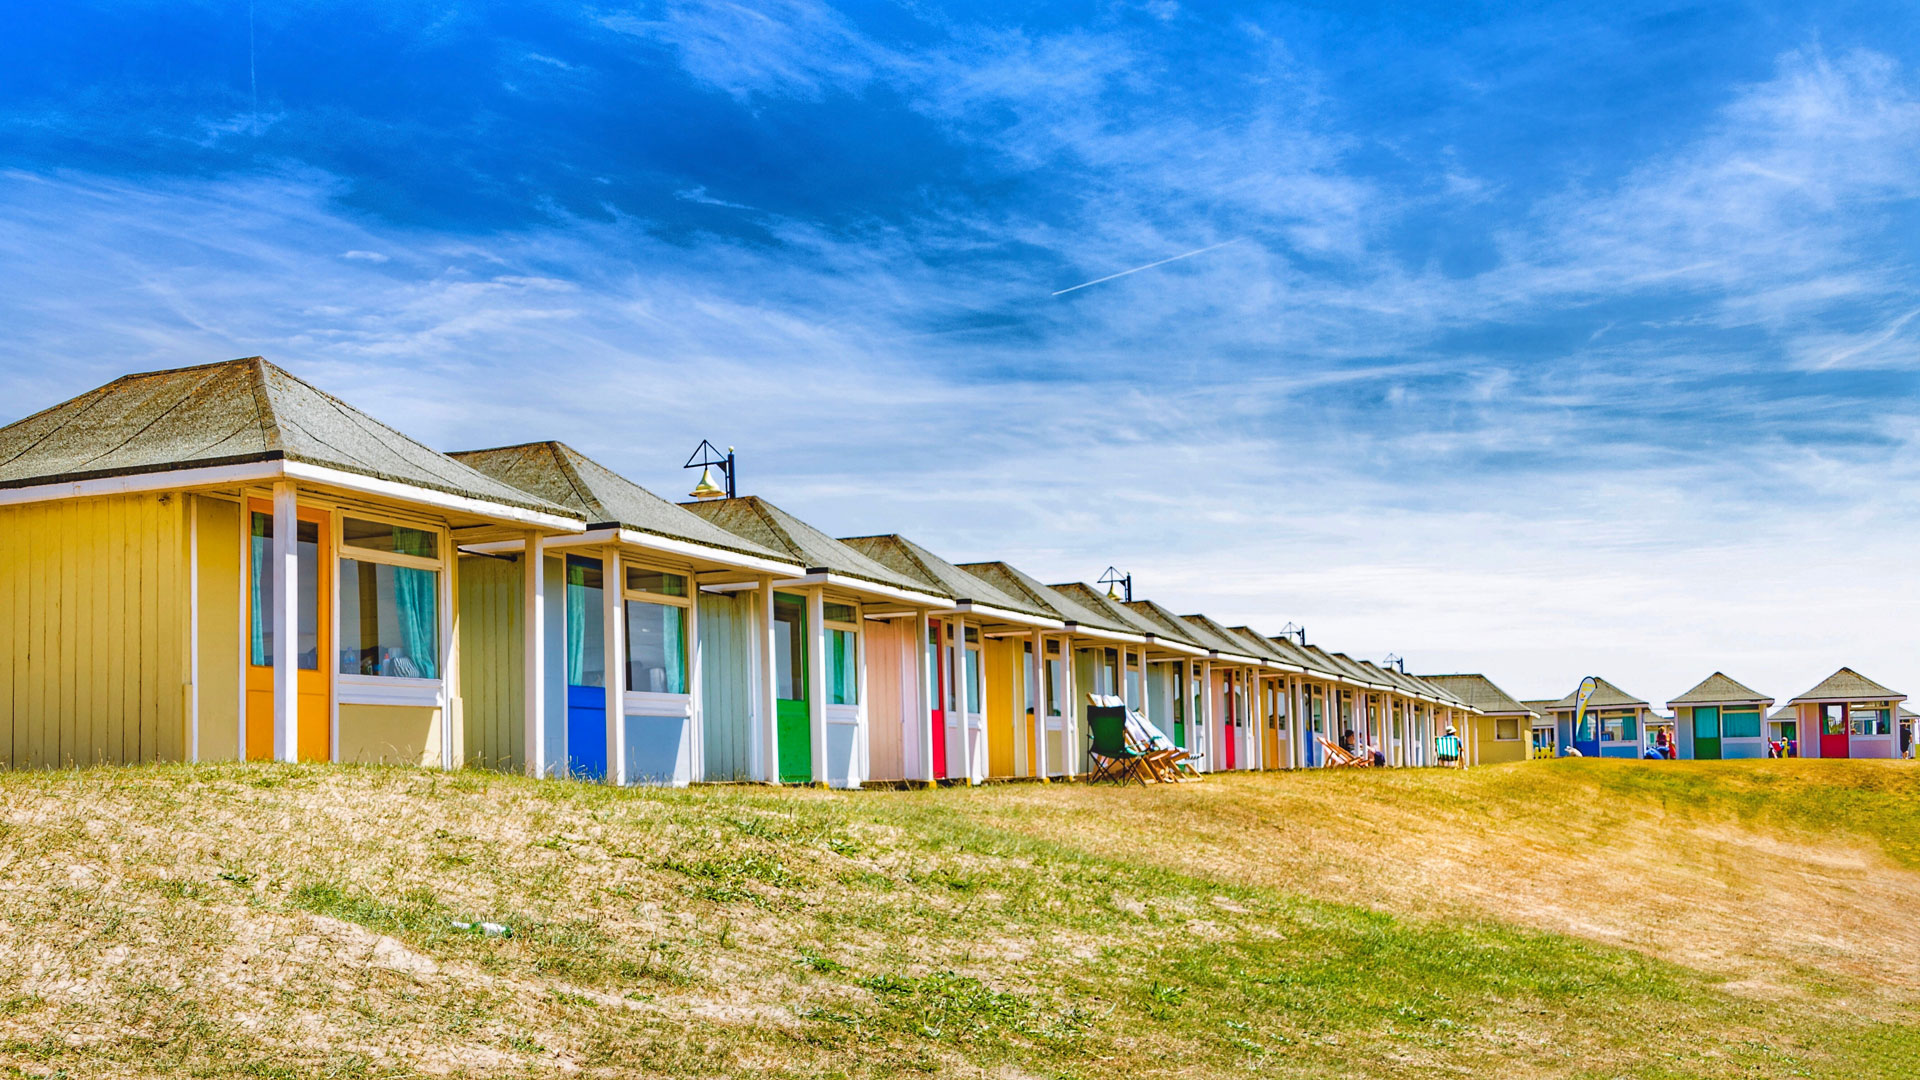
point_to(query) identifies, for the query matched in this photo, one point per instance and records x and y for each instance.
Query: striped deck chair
(1338, 757)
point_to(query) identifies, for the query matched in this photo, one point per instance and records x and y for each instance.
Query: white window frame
(646, 702)
(357, 689)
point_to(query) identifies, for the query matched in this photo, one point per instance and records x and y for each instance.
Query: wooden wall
(726, 683)
(217, 679)
(93, 642)
(492, 643)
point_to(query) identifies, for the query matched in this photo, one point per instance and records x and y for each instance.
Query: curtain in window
(580, 607)
(260, 622)
(676, 649)
(416, 596)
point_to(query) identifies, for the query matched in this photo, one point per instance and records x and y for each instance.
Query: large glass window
(389, 537)
(656, 648)
(1706, 722)
(1618, 727)
(658, 582)
(1741, 723)
(789, 647)
(843, 674)
(1870, 721)
(1833, 719)
(389, 620)
(306, 540)
(586, 622)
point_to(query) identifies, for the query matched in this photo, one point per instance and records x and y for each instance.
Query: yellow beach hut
(1083, 659)
(1848, 716)
(1507, 732)
(223, 562)
(1720, 718)
(1000, 633)
(667, 595)
(823, 623)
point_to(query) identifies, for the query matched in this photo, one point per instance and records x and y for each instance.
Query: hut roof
(1480, 692)
(770, 527)
(234, 412)
(1848, 685)
(1717, 688)
(560, 474)
(903, 556)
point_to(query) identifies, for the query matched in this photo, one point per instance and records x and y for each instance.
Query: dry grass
(1538, 920)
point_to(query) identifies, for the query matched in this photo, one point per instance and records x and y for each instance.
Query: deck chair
(1339, 757)
(1113, 758)
(1168, 761)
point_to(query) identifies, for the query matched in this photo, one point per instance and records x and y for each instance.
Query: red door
(937, 665)
(1833, 731)
(1226, 713)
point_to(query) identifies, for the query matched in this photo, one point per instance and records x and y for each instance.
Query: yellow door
(312, 674)
(1003, 695)
(1270, 740)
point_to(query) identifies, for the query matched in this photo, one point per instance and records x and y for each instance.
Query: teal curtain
(676, 649)
(579, 606)
(416, 594)
(261, 590)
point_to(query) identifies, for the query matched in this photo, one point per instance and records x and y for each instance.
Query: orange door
(313, 623)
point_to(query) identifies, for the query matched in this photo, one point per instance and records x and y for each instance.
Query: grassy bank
(285, 920)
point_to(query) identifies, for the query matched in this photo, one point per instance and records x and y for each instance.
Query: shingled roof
(1017, 582)
(767, 525)
(1479, 692)
(235, 412)
(1605, 696)
(560, 474)
(1848, 685)
(1717, 689)
(902, 555)
(1167, 624)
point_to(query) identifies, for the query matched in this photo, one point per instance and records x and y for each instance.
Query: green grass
(282, 920)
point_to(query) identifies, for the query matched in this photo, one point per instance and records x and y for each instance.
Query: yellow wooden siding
(390, 734)
(218, 677)
(94, 664)
(492, 643)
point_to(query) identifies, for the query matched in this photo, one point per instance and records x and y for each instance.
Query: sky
(1538, 340)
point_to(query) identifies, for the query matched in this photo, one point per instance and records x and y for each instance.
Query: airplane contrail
(1149, 266)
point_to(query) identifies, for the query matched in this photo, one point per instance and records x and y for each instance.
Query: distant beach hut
(1613, 726)
(1720, 718)
(1157, 672)
(992, 636)
(1847, 716)
(1506, 733)
(819, 630)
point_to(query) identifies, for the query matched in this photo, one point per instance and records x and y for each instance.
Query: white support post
(1207, 740)
(696, 696)
(769, 689)
(613, 586)
(817, 682)
(286, 622)
(1040, 706)
(1069, 712)
(534, 588)
(963, 693)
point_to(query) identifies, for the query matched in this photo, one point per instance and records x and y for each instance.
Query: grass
(274, 920)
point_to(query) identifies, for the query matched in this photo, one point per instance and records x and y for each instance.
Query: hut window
(1870, 721)
(1741, 723)
(389, 599)
(843, 677)
(789, 647)
(388, 537)
(843, 613)
(657, 616)
(656, 647)
(586, 627)
(306, 546)
(1618, 728)
(1053, 681)
(1706, 722)
(658, 582)
(1506, 727)
(389, 620)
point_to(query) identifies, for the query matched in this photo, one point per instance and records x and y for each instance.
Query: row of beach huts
(222, 562)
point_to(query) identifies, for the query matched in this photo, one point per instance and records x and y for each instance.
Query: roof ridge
(567, 458)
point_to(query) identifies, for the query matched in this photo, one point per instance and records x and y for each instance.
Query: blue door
(586, 670)
(1586, 735)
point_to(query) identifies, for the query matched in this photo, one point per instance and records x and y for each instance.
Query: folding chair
(1339, 757)
(1113, 758)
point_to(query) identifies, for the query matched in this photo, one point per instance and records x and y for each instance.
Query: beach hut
(1614, 725)
(1720, 718)
(1278, 684)
(223, 562)
(1506, 734)
(1084, 659)
(1220, 684)
(993, 637)
(663, 593)
(1158, 673)
(1847, 716)
(822, 623)
(1314, 693)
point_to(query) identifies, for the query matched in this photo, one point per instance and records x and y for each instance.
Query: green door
(1706, 732)
(795, 723)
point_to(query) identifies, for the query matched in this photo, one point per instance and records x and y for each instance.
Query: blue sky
(1539, 343)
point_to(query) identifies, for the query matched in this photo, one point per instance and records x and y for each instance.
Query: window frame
(855, 628)
(359, 689)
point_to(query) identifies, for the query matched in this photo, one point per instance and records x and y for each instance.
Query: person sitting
(1447, 748)
(1346, 741)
